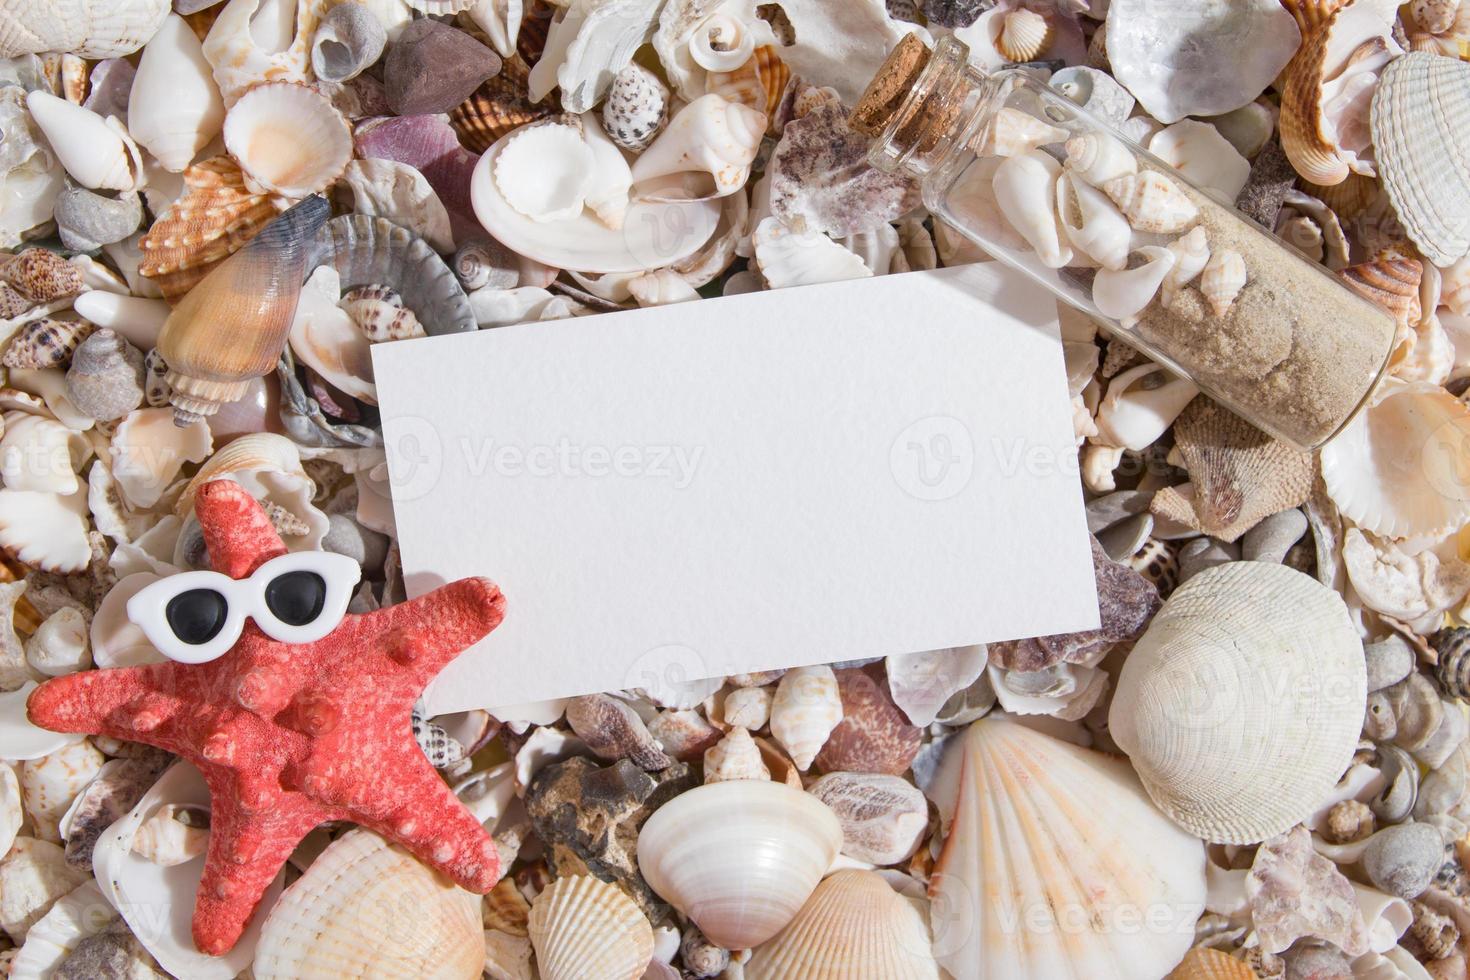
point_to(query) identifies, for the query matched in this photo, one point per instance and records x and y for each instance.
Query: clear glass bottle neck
(943, 111)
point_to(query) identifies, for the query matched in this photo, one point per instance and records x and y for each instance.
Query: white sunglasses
(194, 617)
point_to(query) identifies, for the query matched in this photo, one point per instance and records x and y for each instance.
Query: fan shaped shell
(1241, 705)
(587, 929)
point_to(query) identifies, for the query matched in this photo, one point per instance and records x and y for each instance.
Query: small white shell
(543, 171)
(98, 153)
(736, 756)
(349, 39)
(1224, 277)
(711, 140)
(721, 43)
(1024, 34)
(1191, 255)
(1152, 202)
(288, 139)
(172, 834)
(1140, 405)
(19, 738)
(41, 454)
(787, 258)
(11, 813)
(587, 929)
(1099, 158)
(1099, 230)
(1122, 294)
(805, 710)
(1025, 189)
(1014, 132)
(46, 530)
(748, 708)
(59, 645)
(921, 683)
(1197, 150)
(49, 784)
(148, 451)
(174, 107)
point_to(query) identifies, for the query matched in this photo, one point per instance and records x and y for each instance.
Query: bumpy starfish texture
(289, 736)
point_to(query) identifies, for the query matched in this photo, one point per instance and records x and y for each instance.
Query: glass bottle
(1164, 265)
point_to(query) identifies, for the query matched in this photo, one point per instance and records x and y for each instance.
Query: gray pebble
(1108, 510)
(1403, 860)
(1122, 540)
(105, 380)
(87, 220)
(1202, 553)
(1389, 661)
(1271, 539)
(347, 537)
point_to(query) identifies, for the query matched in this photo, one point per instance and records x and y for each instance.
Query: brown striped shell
(497, 107)
(45, 342)
(1203, 963)
(1390, 282)
(214, 217)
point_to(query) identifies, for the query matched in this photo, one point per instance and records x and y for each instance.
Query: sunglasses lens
(196, 616)
(296, 598)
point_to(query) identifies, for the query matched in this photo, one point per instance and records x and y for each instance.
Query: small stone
(1272, 175)
(953, 13)
(1271, 539)
(1202, 553)
(613, 730)
(1307, 962)
(87, 220)
(105, 380)
(1294, 892)
(883, 818)
(1402, 860)
(1389, 661)
(432, 68)
(363, 545)
(112, 954)
(873, 735)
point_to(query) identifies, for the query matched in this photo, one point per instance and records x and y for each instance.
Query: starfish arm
(437, 829)
(426, 633)
(128, 703)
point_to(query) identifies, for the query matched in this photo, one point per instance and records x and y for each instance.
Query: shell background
(1284, 657)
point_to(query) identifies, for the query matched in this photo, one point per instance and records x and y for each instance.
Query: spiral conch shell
(346, 917)
(805, 710)
(1241, 705)
(1026, 845)
(707, 851)
(710, 140)
(587, 929)
(854, 927)
(93, 29)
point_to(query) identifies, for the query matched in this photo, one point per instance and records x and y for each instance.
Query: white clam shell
(115, 640)
(788, 258)
(582, 927)
(157, 902)
(49, 784)
(543, 171)
(1198, 150)
(11, 813)
(41, 454)
(33, 876)
(80, 913)
(1140, 405)
(1123, 293)
(1025, 189)
(98, 153)
(805, 710)
(708, 850)
(19, 739)
(148, 451)
(1092, 223)
(345, 917)
(46, 530)
(1024, 838)
(288, 139)
(1393, 470)
(710, 139)
(1241, 705)
(854, 926)
(175, 108)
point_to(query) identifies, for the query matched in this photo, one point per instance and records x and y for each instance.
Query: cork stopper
(886, 92)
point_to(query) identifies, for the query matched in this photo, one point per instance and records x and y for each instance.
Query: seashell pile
(1257, 767)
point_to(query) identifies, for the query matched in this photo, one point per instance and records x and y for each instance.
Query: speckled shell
(380, 314)
(45, 342)
(1241, 705)
(854, 927)
(497, 107)
(41, 275)
(214, 217)
(365, 908)
(636, 108)
(587, 929)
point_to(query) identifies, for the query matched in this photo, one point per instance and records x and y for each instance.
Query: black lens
(196, 616)
(296, 598)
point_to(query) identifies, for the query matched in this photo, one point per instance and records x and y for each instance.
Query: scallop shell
(93, 29)
(854, 927)
(636, 108)
(788, 258)
(1420, 114)
(98, 153)
(1224, 277)
(710, 140)
(288, 139)
(499, 106)
(1025, 840)
(544, 171)
(45, 342)
(148, 450)
(345, 917)
(806, 709)
(175, 108)
(269, 467)
(215, 216)
(1024, 35)
(708, 850)
(248, 45)
(1152, 202)
(587, 929)
(1394, 469)
(1204, 963)
(48, 785)
(1241, 704)
(1123, 293)
(45, 530)
(1390, 283)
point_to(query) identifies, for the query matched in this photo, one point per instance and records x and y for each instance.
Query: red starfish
(290, 736)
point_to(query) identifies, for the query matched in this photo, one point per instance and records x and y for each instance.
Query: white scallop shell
(1140, 405)
(288, 139)
(586, 929)
(1394, 469)
(48, 785)
(543, 171)
(46, 530)
(41, 454)
(711, 140)
(1025, 189)
(148, 451)
(1152, 202)
(174, 107)
(98, 153)
(805, 710)
(1241, 705)
(157, 902)
(854, 926)
(1197, 150)
(708, 850)
(1123, 293)
(787, 258)
(1092, 223)
(1025, 839)
(1099, 158)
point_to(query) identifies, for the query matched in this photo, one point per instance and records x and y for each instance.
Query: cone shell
(1241, 705)
(215, 216)
(366, 909)
(174, 106)
(708, 851)
(1036, 882)
(288, 139)
(854, 927)
(1421, 139)
(587, 929)
(498, 106)
(1203, 963)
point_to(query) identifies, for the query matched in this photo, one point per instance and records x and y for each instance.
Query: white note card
(768, 480)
